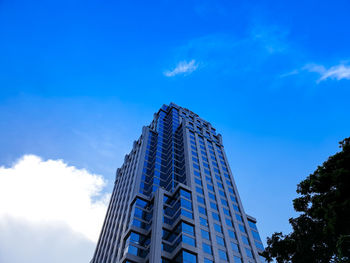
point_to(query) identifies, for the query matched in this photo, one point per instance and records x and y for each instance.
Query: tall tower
(175, 200)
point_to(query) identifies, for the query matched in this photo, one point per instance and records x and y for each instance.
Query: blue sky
(79, 79)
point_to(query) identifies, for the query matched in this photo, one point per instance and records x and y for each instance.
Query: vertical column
(156, 236)
(140, 160)
(207, 202)
(187, 151)
(240, 205)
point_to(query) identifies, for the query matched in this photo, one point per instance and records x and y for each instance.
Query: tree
(321, 233)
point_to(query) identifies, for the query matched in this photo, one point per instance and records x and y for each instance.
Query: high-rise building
(175, 200)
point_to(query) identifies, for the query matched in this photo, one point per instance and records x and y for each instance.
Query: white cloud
(182, 67)
(49, 200)
(337, 72)
(21, 241)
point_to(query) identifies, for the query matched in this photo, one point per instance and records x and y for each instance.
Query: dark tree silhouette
(321, 233)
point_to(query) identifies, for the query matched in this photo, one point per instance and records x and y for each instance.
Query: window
(206, 260)
(211, 196)
(222, 254)
(186, 204)
(252, 225)
(213, 206)
(198, 181)
(210, 187)
(234, 247)
(226, 211)
(228, 222)
(134, 250)
(218, 177)
(196, 173)
(205, 234)
(188, 240)
(231, 234)
(139, 213)
(220, 241)
(235, 208)
(208, 179)
(256, 235)
(139, 224)
(199, 190)
(237, 259)
(239, 218)
(186, 213)
(141, 203)
(188, 257)
(224, 202)
(186, 228)
(217, 228)
(245, 240)
(202, 210)
(203, 221)
(207, 249)
(135, 238)
(242, 228)
(200, 200)
(249, 253)
(259, 245)
(215, 216)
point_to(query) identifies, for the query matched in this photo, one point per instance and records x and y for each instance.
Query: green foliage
(321, 233)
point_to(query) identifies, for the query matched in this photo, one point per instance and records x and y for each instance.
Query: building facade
(175, 200)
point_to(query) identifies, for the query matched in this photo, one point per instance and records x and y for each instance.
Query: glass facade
(175, 200)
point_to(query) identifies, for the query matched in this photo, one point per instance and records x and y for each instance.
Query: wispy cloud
(271, 38)
(337, 72)
(229, 54)
(182, 67)
(290, 73)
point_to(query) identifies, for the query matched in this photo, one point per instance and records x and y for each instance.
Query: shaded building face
(175, 200)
